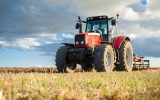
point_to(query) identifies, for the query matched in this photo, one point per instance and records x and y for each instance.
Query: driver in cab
(101, 30)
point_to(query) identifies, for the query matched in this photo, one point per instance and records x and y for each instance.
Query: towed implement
(100, 47)
(141, 63)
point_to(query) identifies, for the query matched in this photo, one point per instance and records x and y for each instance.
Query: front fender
(118, 40)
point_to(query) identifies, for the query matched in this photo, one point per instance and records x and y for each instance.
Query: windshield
(93, 26)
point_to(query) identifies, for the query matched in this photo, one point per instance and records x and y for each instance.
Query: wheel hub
(109, 60)
(128, 57)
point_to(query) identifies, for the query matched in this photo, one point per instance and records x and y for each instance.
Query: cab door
(112, 31)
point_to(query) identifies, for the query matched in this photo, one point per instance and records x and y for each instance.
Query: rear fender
(118, 40)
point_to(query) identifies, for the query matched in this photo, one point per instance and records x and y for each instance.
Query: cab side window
(112, 29)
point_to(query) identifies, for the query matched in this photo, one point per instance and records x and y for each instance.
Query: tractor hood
(87, 40)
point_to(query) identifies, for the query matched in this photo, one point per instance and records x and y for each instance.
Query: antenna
(117, 23)
(117, 15)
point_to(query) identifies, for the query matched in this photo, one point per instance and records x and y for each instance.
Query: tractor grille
(80, 39)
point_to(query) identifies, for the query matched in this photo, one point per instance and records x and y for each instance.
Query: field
(141, 85)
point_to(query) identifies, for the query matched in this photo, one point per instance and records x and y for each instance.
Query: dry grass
(143, 85)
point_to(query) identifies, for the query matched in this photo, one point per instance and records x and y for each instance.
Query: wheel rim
(109, 60)
(128, 57)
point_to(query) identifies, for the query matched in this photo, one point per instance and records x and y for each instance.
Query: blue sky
(32, 30)
(144, 2)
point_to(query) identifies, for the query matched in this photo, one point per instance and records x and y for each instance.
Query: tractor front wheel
(104, 58)
(87, 67)
(61, 59)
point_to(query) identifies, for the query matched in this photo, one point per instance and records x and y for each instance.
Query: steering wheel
(99, 31)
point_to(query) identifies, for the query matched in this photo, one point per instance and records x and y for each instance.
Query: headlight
(82, 42)
(77, 42)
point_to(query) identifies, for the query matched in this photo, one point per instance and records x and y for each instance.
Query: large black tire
(104, 58)
(87, 67)
(61, 59)
(125, 57)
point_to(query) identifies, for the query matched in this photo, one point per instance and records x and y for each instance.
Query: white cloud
(32, 41)
(90, 7)
(50, 36)
(153, 5)
(130, 15)
(48, 42)
(1, 41)
(152, 10)
(26, 43)
(132, 35)
(23, 43)
(142, 32)
(69, 36)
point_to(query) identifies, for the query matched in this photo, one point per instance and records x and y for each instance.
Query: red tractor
(100, 47)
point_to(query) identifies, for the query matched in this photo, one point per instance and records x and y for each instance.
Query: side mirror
(113, 22)
(77, 25)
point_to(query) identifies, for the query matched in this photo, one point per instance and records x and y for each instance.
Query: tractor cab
(103, 25)
(98, 29)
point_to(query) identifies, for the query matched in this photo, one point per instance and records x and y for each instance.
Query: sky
(32, 30)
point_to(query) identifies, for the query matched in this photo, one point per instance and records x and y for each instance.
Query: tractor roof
(98, 18)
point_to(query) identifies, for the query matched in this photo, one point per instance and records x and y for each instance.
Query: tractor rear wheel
(104, 58)
(126, 57)
(61, 59)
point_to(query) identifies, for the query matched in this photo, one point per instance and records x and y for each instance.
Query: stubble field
(141, 85)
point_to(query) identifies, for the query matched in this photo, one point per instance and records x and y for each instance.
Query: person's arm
(99, 31)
